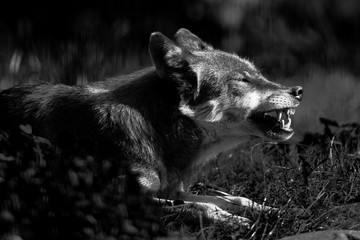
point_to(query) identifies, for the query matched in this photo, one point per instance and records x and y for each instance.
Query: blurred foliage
(89, 40)
(289, 35)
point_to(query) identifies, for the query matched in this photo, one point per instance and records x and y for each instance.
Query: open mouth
(275, 124)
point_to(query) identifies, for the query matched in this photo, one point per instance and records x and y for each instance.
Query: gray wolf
(163, 121)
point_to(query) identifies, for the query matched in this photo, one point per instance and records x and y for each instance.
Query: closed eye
(240, 80)
(239, 85)
(245, 80)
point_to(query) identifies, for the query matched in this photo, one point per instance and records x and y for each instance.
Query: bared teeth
(291, 111)
(286, 121)
(287, 125)
(282, 116)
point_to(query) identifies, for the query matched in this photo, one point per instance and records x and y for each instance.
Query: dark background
(311, 43)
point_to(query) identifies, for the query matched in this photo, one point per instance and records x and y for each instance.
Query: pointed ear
(164, 53)
(172, 62)
(185, 39)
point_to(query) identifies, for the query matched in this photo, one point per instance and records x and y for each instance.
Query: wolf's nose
(297, 92)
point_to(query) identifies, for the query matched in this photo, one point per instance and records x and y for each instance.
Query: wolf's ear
(164, 53)
(172, 61)
(185, 39)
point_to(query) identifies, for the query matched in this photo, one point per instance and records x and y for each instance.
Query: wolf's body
(164, 120)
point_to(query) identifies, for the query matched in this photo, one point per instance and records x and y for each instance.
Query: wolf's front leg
(148, 179)
(225, 201)
(210, 212)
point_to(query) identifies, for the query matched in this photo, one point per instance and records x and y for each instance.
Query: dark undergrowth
(48, 193)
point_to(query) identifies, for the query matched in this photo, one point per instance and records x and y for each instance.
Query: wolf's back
(13, 107)
(41, 105)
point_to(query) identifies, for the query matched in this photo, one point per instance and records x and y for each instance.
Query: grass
(315, 186)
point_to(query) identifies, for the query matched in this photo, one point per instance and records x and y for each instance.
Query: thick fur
(193, 104)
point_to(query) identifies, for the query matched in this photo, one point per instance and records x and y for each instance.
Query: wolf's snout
(297, 92)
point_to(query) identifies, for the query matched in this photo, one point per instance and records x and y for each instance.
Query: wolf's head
(222, 91)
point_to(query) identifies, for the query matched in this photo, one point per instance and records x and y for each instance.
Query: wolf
(165, 120)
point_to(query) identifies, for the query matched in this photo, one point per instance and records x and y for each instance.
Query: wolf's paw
(233, 203)
(226, 202)
(201, 212)
(213, 212)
